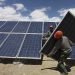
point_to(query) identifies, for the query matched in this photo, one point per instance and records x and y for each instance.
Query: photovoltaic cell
(11, 45)
(2, 37)
(21, 27)
(35, 27)
(31, 46)
(2, 22)
(8, 26)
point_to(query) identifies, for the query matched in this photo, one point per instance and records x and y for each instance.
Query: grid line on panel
(20, 33)
(8, 35)
(23, 41)
(3, 24)
(2, 37)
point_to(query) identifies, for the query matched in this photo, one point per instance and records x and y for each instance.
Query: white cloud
(11, 14)
(20, 7)
(39, 15)
(63, 11)
(7, 10)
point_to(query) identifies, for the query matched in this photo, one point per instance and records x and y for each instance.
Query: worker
(47, 35)
(50, 31)
(64, 45)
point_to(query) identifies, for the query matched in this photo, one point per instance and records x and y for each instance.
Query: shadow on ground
(70, 64)
(27, 62)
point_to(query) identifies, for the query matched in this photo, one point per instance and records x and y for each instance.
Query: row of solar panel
(21, 27)
(22, 45)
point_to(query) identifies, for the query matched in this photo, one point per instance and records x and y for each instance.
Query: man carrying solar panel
(46, 36)
(64, 45)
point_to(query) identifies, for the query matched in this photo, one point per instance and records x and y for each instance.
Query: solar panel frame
(9, 33)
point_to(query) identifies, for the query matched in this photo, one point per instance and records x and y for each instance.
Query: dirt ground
(23, 69)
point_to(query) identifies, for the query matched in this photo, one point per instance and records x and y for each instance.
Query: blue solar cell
(1, 23)
(2, 37)
(11, 46)
(47, 24)
(8, 26)
(31, 46)
(21, 27)
(35, 27)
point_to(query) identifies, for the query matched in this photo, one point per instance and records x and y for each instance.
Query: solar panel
(21, 27)
(2, 37)
(31, 46)
(8, 26)
(14, 40)
(35, 27)
(17, 39)
(11, 45)
(2, 22)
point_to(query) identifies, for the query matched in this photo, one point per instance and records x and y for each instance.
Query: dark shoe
(68, 68)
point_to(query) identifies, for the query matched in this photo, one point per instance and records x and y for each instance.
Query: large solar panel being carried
(67, 25)
(22, 40)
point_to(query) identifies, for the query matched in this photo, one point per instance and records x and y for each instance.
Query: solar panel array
(22, 39)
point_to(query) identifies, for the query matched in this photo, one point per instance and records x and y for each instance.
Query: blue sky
(35, 10)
